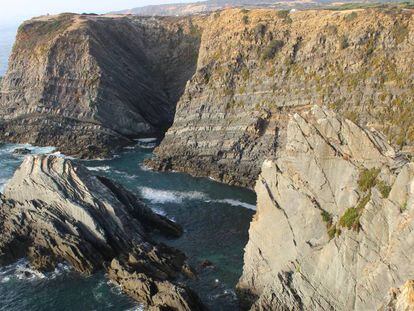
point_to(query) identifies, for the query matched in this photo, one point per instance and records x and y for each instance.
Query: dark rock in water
(22, 151)
(54, 211)
(206, 264)
(89, 84)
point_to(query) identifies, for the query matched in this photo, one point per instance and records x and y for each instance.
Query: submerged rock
(334, 226)
(22, 151)
(54, 210)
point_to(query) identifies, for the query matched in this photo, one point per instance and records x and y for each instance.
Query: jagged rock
(55, 210)
(257, 66)
(334, 226)
(401, 299)
(88, 84)
(21, 151)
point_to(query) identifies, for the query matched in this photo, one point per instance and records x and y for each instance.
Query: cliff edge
(89, 84)
(257, 66)
(334, 222)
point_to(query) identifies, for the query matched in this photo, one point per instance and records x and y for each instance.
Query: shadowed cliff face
(89, 84)
(256, 66)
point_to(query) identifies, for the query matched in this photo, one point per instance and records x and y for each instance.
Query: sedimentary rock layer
(88, 84)
(334, 226)
(256, 66)
(54, 210)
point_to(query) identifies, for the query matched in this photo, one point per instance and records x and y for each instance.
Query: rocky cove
(319, 102)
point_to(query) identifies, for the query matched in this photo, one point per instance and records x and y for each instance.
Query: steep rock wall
(256, 66)
(88, 84)
(334, 221)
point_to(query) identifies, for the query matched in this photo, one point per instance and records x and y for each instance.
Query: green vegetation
(404, 207)
(343, 42)
(350, 219)
(332, 230)
(284, 14)
(368, 179)
(245, 19)
(259, 30)
(400, 32)
(351, 16)
(272, 49)
(383, 188)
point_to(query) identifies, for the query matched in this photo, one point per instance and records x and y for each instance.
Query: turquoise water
(215, 218)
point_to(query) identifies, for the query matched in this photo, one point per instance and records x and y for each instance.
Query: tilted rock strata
(293, 259)
(88, 84)
(257, 66)
(54, 210)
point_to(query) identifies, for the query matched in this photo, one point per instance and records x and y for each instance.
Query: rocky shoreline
(55, 211)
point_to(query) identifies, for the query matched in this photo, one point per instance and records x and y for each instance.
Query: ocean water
(7, 36)
(215, 218)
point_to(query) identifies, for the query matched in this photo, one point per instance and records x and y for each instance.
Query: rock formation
(334, 226)
(54, 210)
(256, 66)
(87, 84)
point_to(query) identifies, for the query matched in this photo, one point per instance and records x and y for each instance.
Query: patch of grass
(368, 179)
(350, 219)
(400, 33)
(326, 217)
(350, 17)
(333, 232)
(271, 50)
(404, 207)
(245, 19)
(384, 188)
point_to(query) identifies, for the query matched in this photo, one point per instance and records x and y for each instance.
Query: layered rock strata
(334, 226)
(88, 84)
(54, 210)
(257, 66)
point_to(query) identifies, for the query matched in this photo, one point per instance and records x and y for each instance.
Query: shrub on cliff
(271, 50)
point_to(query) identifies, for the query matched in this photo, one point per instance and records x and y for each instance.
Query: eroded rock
(334, 222)
(54, 210)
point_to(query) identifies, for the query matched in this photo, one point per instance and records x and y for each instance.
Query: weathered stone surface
(257, 66)
(54, 210)
(305, 251)
(88, 84)
(401, 299)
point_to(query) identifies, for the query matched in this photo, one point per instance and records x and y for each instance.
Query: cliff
(334, 222)
(88, 84)
(256, 66)
(54, 211)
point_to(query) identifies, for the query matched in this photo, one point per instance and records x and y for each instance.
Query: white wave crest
(168, 196)
(105, 168)
(237, 203)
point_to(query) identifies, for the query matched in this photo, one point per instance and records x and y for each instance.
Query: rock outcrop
(88, 84)
(334, 228)
(257, 66)
(54, 210)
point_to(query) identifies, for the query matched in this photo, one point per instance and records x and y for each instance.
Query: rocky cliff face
(54, 210)
(257, 66)
(88, 84)
(334, 222)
